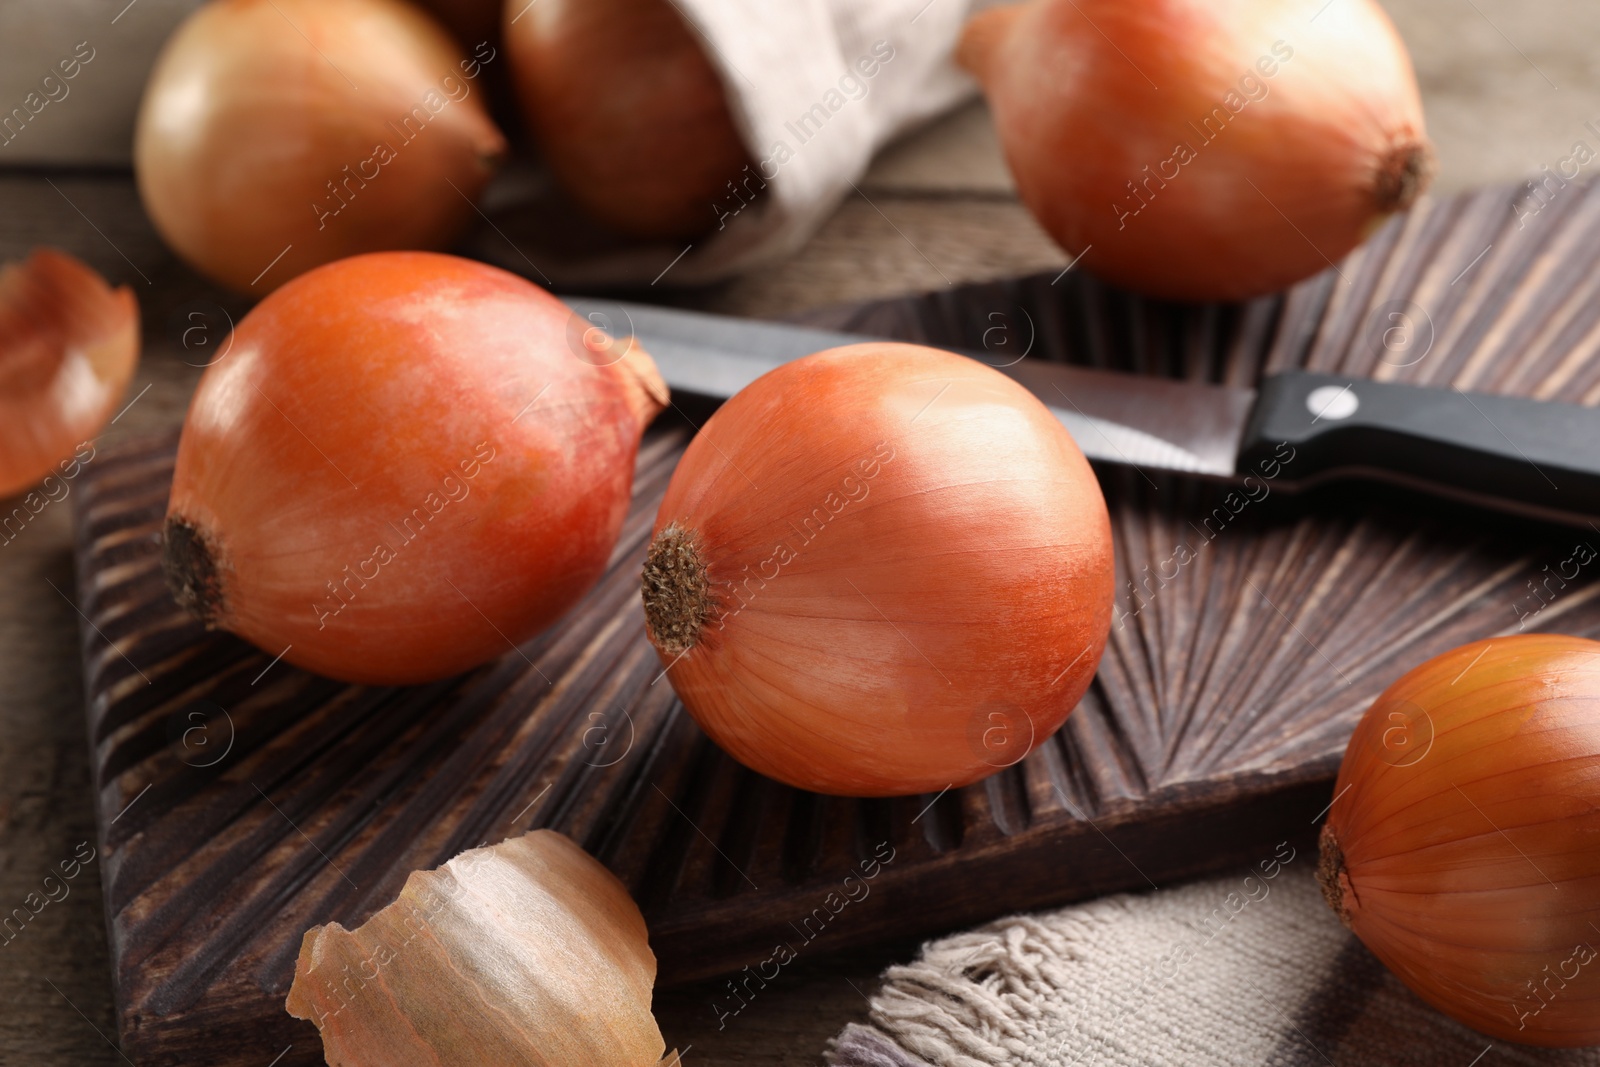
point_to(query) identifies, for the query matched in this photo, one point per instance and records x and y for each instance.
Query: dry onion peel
(68, 346)
(526, 953)
(1204, 149)
(880, 570)
(1464, 844)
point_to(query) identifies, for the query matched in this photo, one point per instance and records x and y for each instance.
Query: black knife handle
(1533, 456)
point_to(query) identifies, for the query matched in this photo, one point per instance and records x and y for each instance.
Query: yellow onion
(880, 570)
(406, 464)
(628, 111)
(1204, 149)
(1463, 845)
(278, 135)
(529, 952)
(68, 345)
(472, 21)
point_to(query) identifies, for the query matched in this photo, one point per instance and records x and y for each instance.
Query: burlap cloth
(1221, 972)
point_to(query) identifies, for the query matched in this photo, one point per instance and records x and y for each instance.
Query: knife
(1297, 430)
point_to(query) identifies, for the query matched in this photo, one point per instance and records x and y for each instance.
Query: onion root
(1336, 888)
(1403, 176)
(677, 594)
(190, 565)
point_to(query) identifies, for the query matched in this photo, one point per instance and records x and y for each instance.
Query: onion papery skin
(473, 22)
(937, 565)
(1463, 846)
(526, 953)
(1301, 166)
(310, 130)
(400, 466)
(628, 112)
(69, 344)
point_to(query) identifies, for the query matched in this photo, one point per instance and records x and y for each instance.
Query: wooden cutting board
(242, 801)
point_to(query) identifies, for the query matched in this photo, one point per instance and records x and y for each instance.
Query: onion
(277, 135)
(404, 464)
(68, 346)
(1463, 846)
(880, 570)
(529, 952)
(1199, 149)
(473, 22)
(631, 116)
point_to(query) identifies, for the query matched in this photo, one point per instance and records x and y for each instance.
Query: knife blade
(1115, 418)
(1300, 429)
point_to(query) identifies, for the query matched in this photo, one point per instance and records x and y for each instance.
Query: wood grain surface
(56, 978)
(242, 801)
(939, 209)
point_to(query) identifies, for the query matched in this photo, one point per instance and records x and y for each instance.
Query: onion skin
(245, 123)
(628, 111)
(1295, 179)
(529, 952)
(69, 344)
(472, 21)
(1464, 844)
(428, 405)
(963, 566)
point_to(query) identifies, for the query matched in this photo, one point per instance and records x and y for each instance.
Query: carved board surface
(242, 801)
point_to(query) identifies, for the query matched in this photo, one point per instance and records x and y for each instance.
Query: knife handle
(1533, 456)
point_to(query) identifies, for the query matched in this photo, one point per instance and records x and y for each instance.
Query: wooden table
(1507, 90)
